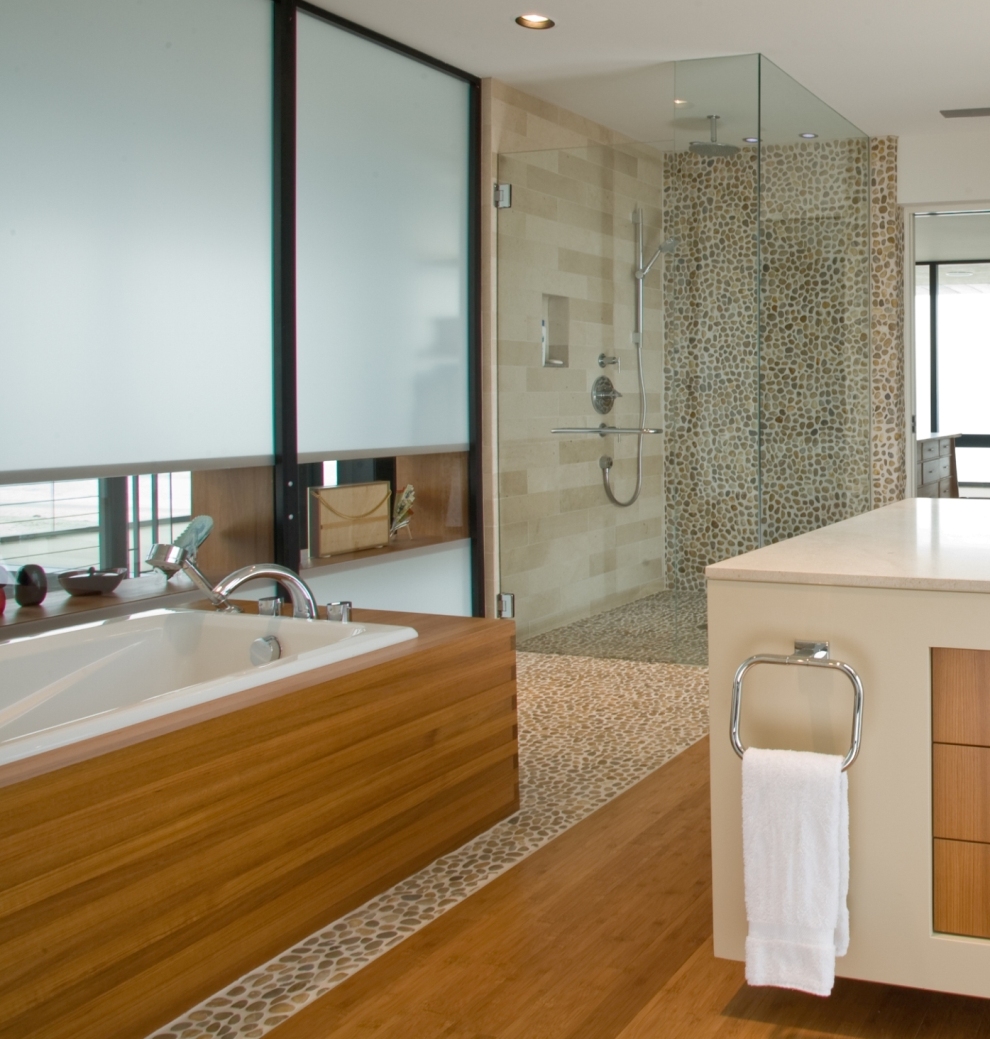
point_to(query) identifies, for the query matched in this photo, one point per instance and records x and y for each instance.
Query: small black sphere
(32, 585)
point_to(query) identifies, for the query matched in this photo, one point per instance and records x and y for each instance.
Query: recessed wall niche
(555, 331)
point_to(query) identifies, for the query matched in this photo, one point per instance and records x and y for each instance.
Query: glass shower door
(581, 568)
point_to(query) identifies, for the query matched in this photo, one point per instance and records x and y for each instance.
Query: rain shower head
(712, 149)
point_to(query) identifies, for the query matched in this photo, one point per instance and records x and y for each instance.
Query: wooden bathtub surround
(961, 790)
(135, 883)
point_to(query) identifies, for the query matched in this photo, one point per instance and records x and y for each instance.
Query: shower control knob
(603, 395)
(605, 463)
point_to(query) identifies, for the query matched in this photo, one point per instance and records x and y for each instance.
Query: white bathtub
(70, 685)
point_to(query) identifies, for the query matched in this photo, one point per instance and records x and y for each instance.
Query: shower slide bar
(806, 654)
(604, 430)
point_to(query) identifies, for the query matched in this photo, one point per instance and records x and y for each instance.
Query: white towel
(796, 867)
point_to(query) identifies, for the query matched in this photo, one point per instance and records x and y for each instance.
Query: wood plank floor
(606, 934)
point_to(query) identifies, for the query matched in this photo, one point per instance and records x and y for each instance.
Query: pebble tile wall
(710, 376)
(588, 729)
(815, 312)
(814, 379)
(887, 321)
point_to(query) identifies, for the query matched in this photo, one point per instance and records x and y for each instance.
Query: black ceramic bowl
(91, 581)
(31, 586)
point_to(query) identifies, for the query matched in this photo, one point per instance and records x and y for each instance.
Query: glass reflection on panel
(973, 466)
(963, 347)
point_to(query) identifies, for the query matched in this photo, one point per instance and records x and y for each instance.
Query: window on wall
(65, 524)
(952, 350)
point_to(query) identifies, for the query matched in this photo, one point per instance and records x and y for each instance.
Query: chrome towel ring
(806, 654)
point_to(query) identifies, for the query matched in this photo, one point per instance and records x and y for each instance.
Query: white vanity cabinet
(902, 594)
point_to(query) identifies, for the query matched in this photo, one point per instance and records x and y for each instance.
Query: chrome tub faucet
(170, 559)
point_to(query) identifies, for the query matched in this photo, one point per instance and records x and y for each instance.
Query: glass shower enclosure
(751, 420)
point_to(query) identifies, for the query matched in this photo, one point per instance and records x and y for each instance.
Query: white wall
(429, 580)
(952, 236)
(944, 167)
(433, 579)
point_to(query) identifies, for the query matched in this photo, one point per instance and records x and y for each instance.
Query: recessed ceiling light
(809, 136)
(679, 101)
(752, 140)
(960, 274)
(535, 21)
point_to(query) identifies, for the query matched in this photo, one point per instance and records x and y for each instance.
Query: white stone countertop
(937, 544)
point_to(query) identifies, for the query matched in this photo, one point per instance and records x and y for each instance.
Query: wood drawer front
(961, 789)
(945, 447)
(930, 471)
(961, 696)
(962, 888)
(929, 450)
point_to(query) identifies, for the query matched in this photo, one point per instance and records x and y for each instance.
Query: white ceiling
(886, 65)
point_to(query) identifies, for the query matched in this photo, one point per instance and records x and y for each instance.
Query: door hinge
(505, 605)
(503, 196)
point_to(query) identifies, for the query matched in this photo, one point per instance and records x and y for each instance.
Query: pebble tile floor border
(588, 730)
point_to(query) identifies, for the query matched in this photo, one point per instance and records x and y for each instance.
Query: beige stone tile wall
(564, 550)
(512, 121)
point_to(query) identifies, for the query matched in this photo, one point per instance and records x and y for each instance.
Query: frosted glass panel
(135, 253)
(382, 248)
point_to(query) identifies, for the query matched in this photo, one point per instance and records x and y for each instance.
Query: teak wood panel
(241, 502)
(441, 483)
(961, 792)
(136, 883)
(962, 888)
(961, 696)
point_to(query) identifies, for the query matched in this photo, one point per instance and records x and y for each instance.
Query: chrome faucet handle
(270, 606)
(339, 611)
(604, 361)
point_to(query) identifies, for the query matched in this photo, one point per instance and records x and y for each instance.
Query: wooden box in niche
(349, 518)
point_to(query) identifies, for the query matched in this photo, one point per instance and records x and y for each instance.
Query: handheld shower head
(712, 149)
(667, 247)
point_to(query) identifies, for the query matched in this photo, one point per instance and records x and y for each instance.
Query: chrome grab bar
(604, 430)
(806, 654)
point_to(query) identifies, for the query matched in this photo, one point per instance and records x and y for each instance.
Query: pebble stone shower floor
(589, 728)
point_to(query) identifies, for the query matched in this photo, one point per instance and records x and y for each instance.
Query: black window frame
(964, 439)
(289, 495)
